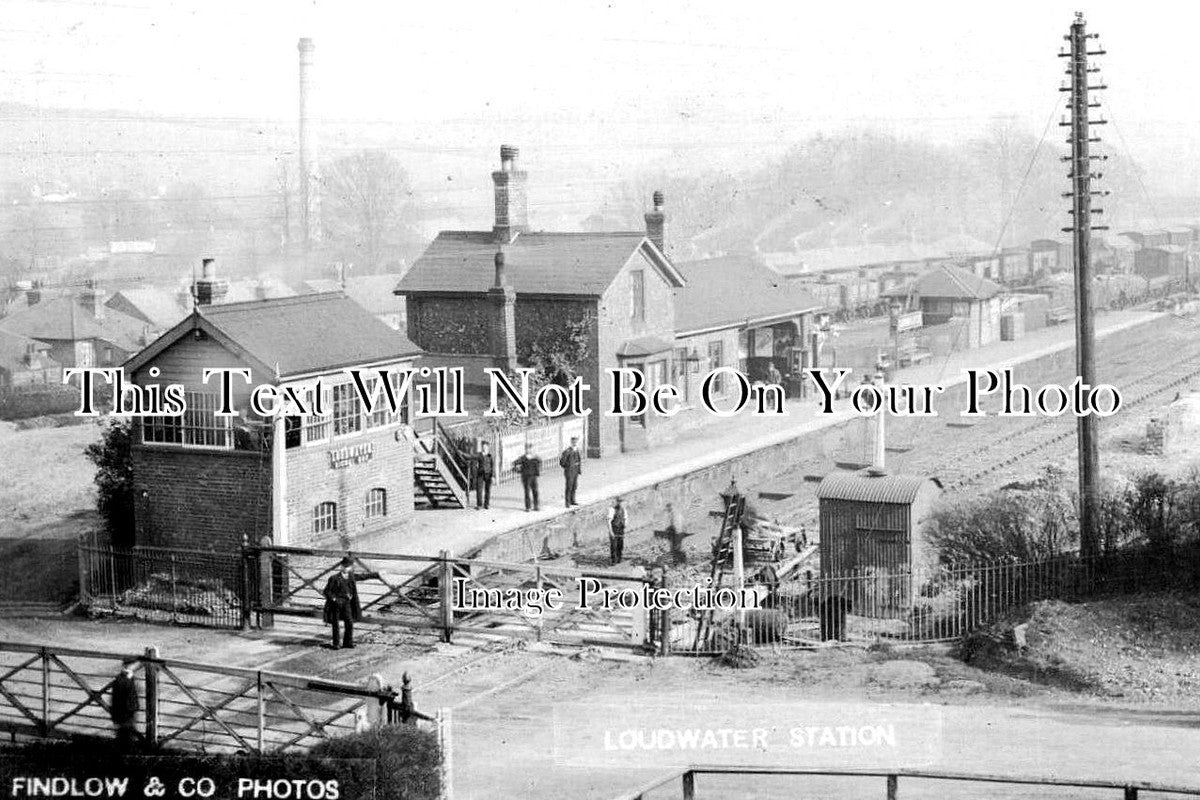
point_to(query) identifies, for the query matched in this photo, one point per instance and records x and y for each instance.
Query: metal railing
(685, 784)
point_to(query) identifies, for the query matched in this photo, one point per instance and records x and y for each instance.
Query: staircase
(431, 488)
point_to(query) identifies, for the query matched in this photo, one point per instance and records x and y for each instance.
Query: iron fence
(926, 605)
(196, 587)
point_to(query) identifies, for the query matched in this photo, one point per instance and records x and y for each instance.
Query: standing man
(341, 604)
(485, 468)
(773, 374)
(616, 532)
(570, 462)
(125, 705)
(529, 467)
(675, 534)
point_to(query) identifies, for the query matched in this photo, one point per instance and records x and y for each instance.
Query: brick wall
(201, 499)
(312, 480)
(450, 324)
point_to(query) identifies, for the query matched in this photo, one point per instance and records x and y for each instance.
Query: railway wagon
(859, 294)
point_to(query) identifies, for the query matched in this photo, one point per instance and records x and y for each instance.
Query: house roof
(13, 348)
(158, 307)
(64, 319)
(950, 282)
(299, 335)
(535, 263)
(734, 290)
(643, 346)
(870, 486)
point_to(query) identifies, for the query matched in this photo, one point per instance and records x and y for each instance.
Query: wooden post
(739, 581)
(261, 702)
(446, 746)
(664, 622)
(689, 785)
(150, 667)
(174, 592)
(1131, 793)
(893, 786)
(246, 598)
(85, 592)
(44, 725)
(541, 618)
(446, 590)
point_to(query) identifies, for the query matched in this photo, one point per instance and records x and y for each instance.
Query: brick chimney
(656, 224)
(209, 289)
(512, 208)
(502, 326)
(92, 300)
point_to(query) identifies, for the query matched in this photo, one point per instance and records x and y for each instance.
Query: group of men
(481, 470)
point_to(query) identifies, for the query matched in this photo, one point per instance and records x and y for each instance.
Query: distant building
(375, 293)
(26, 363)
(479, 299)
(952, 296)
(158, 308)
(205, 481)
(80, 330)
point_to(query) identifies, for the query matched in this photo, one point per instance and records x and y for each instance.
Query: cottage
(79, 330)
(495, 298)
(26, 363)
(335, 479)
(874, 521)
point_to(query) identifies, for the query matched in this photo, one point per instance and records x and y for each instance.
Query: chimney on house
(33, 295)
(502, 326)
(209, 289)
(92, 300)
(512, 209)
(656, 224)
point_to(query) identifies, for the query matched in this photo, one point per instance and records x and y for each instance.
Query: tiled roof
(159, 308)
(869, 486)
(64, 319)
(535, 263)
(310, 333)
(732, 290)
(949, 282)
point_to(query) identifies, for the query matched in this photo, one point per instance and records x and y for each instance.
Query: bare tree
(366, 206)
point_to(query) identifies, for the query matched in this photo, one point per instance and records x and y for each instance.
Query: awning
(643, 346)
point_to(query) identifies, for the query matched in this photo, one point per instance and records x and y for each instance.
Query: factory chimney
(310, 200)
(656, 224)
(512, 209)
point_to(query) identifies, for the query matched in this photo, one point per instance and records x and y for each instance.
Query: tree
(113, 458)
(367, 206)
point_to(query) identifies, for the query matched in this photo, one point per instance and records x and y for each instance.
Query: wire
(1137, 172)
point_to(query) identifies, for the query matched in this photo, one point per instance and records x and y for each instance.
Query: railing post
(893, 786)
(84, 582)
(540, 618)
(446, 591)
(112, 578)
(150, 667)
(689, 785)
(174, 592)
(45, 723)
(262, 713)
(244, 570)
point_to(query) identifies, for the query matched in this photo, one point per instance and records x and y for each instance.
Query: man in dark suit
(125, 705)
(341, 604)
(529, 467)
(571, 462)
(485, 467)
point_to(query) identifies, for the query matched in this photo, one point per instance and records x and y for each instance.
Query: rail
(686, 779)
(56, 692)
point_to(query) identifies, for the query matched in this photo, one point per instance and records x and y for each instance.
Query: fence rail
(53, 692)
(686, 781)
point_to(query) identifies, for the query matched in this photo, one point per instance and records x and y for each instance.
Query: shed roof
(735, 290)
(870, 486)
(949, 282)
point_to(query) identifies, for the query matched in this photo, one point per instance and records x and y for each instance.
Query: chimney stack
(656, 224)
(512, 209)
(310, 201)
(92, 300)
(502, 326)
(209, 289)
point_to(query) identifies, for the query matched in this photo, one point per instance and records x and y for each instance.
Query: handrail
(687, 776)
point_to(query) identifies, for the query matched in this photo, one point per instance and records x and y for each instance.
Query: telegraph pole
(1081, 176)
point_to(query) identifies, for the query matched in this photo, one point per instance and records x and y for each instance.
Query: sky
(607, 83)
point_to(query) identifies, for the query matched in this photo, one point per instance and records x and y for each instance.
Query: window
(382, 415)
(347, 410)
(376, 503)
(325, 517)
(316, 427)
(716, 358)
(201, 426)
(162, 430)
(638, 279)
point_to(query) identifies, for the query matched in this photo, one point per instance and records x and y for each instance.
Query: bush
(408, 760)
(113, 458)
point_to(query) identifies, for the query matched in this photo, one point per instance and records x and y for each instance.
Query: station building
(339, 479)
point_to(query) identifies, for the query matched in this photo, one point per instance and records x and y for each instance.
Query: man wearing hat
(125, 705)
(529, 467)
(341, 603)
(570, 462)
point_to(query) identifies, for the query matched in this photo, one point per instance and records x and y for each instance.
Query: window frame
(375, 504)
(325, 517)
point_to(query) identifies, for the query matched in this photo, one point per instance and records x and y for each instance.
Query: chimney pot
(208, 268)
(658, 201)
(656, 223)
(499, 267)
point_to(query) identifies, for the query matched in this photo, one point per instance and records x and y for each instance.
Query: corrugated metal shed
(871, 487)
